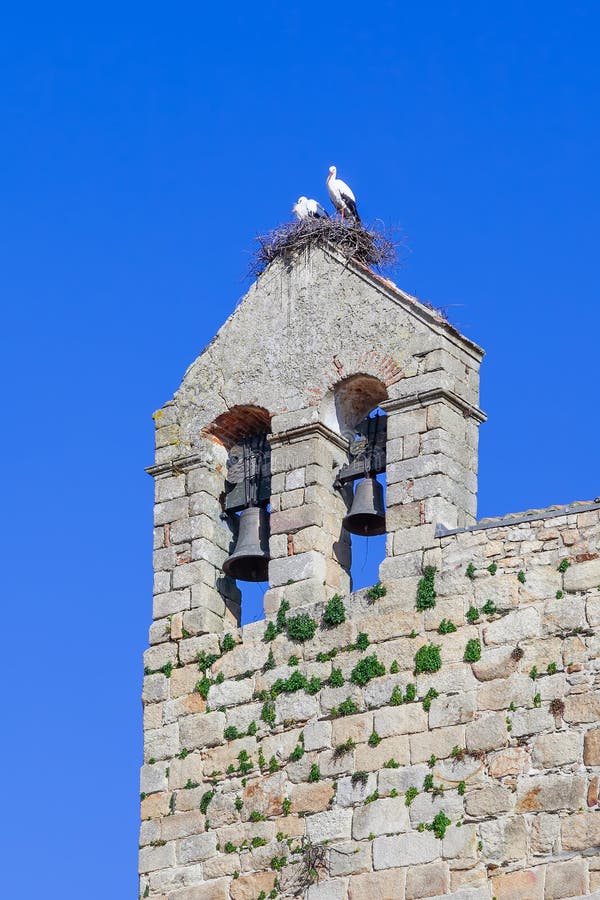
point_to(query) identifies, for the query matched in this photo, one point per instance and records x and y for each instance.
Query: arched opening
(246, 503)
(238, 422)
(368, 550)
(353, 399)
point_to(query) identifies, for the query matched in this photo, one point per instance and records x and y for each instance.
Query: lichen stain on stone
(530, 802)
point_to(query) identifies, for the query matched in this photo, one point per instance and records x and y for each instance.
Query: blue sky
(144, 147)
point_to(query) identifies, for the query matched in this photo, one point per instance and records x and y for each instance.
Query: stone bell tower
(308, 353)
(259, 447)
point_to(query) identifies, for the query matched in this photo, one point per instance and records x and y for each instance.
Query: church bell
(250, 558)
(367, 513)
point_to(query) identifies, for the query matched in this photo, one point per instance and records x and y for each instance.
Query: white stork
(341, 195)
(308, 209)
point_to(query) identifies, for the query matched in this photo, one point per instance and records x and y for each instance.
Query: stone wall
(332, 767)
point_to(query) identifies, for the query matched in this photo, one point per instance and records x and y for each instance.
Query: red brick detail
(238, 422)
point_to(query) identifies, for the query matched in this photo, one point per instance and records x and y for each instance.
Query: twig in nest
(369, 246)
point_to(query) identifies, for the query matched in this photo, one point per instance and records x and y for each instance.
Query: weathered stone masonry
(478, 779)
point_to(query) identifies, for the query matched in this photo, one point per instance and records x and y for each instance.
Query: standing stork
(341, 195)
(308, 209)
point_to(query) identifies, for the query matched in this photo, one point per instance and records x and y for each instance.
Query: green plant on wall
(301, 628)
(376, 592)
(368, 668)
(426, 590)
(472, 651)
(335, 612)
(428, 659)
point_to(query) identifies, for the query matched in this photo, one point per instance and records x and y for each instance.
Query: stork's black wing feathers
(351, 204)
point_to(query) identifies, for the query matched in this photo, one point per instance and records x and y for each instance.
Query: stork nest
(367, 245)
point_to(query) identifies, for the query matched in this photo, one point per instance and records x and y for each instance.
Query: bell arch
(355, 402)
(350, 400)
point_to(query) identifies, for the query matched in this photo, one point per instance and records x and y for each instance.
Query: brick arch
(379, 365)
(350, 399)
(238, 422)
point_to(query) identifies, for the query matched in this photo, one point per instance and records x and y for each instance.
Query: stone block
(452, 678)
(452, 710)
(410, 849)
(494, 663)
(318, 735)
(531, 721)
(460, 846)
(331, 825)
(203, 621)
(425, 807)
(155, 806)
(566, 879)
(160, 655)
(297, 568)
(402, 422)
(487, 733)
(301, 593)
(204, 730)
(156, 688)
(243, 658)
(368, 758)
(350, 792)
(503, 590)
(182, 824)
(500, 693)
(591, 747)
(384, 885)
(297, 707)
(550, 793)
(406, 719)
(289, 521)
(512, 761)
(583, 576)
(519, 625)
(490, 800)
(231, 693)
(556, 749)
(264, 795)
(407, 540)
(161, 743)
(525, 884)
(349, 858)
(212, 890)
(171, 510)
(440, 742)
(197, 847)
(380, 817)
(428, 880)
(311, 798)
(542, 583)
(401, 779)
(564, 615)
(153, 778)
(328, 890)
(153, 858)
(183, 770)
(581, 832)
(248, 887)
(358, 728)
(200, 571)
(545, 830)
(385, 624)
(582, 707)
